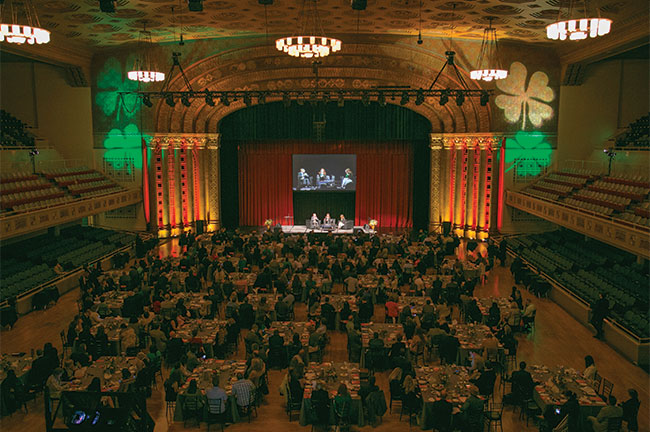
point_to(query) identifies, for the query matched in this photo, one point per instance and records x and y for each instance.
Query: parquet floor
(558, 340)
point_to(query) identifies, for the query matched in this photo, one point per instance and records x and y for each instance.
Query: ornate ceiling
(523, 20)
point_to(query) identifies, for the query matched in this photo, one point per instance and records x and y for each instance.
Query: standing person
(599, 312)
(631, 410)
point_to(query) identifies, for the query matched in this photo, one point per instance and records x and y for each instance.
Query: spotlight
(107, 6)
(381, 99)
(195, 5)
(485, 98)
(444, 98)
(169, 100)
(247, 99)
(460, 98)
(185, 100)
(146, 100)
(359, 5)
(286, 100)
(420, 41)
(340, 101)
(33, 152)
(419, 97)
(405, 98)
(209, 99)
(224, 99)
(265, 2)
(365, 99)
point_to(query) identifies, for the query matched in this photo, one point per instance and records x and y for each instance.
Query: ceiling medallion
(30, 31)
(315, 44)
(568, 26)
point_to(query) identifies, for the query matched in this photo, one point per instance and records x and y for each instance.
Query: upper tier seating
(587, 267)
(23, 191)
(30, 263)
(616, 196)
(13, 132)
(635, 135)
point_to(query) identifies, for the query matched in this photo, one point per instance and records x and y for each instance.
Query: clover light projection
(316, 44)
(570, 26)
(12, 31)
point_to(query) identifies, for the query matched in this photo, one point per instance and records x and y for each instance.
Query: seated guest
(342, 402)
(368, 387)
(80, 356)
(54, 384)
(321, 403)
(473, 313)
(494, 315)
(11, 392)
(522, 386)
(243, 390)
(590, 371)
(126, 381)
(296, 388)
(448, 348)
(328, 313)
(341, 221)
(599, 423)
(216, 393)
(441, 411)
(472, 411)
(277, 352)
(412, 399)
(485, 381)
(528, 314)
(246, 314)
(631, 410)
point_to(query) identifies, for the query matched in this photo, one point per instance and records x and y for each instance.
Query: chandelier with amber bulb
(144, 69)
(20, 23)
(573, 27)
(311, 42)
(488, 64)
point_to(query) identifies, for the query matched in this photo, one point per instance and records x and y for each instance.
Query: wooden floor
(558, 340)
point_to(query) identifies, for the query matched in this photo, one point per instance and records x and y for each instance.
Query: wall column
(214, 184)
(435, 202)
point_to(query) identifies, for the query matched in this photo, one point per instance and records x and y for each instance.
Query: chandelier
(488, 65)
(30, 31)
(568, 26)
(315, 44)
(143, 67)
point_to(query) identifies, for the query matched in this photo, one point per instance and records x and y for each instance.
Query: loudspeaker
(446, 228)
(359, 5)
(107, 6)
(200, 227)
(195, 5)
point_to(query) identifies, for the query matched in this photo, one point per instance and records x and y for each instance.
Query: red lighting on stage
(196, 177)
(477, 166)
(463, 186)
(487, 188)
(145, 181)
(159, 185)
(502, 165)
(172, 187)
(184, 188)
(452, 183)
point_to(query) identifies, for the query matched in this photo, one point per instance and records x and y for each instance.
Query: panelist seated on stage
(303, 177)
(328, 222)
(347, 180)
(341, 221)
(315, 222)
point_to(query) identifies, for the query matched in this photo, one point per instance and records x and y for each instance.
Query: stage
(300, 229)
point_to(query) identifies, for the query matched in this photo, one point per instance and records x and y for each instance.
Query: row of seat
(14, 176)
(604, 197)
(621, 187)
(78, 178)
(636, 134)
(13, 132)
(544, 194)
(596, 208)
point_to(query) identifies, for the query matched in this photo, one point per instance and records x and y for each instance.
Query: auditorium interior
(336, 215)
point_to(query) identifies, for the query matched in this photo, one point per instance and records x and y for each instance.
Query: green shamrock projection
(530, 148)
(124, 144)
(521, 101)
(110, 81)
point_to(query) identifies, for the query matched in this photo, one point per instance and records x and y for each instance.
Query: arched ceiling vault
(362, 66)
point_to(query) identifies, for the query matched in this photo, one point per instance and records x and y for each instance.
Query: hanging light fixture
(30, 31)
(143, 67)
(488, 65)
(314, 44)
(570, 26)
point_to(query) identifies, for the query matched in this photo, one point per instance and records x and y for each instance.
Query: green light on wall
(124, 145)
(530, 149)
(110, 81)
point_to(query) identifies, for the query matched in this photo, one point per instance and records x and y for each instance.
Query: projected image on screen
(324, 172)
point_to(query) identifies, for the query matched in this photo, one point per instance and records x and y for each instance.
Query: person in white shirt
(590, 371)
(351, 284)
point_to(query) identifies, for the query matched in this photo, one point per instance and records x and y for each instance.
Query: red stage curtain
(384, 180)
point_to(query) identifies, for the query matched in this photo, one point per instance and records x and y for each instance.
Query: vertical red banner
(502, 167)
(171, 182)
(196, 178)
(184, 187)
(475, 177)
(160, 202)
(452, 182)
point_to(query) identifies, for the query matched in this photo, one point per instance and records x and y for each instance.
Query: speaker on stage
(277, 228)
(200, 227)
(446, 228)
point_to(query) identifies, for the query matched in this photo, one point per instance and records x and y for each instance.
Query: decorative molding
(466, 140)
(24, 223)
(601, 228)
(189, 140)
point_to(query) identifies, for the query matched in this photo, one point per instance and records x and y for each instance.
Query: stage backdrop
(384, 180)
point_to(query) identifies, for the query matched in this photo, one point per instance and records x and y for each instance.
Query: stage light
(485, 98)
(340, 101)
(185, 100)
(419, 97)
(405, 98)
(286, 100)
(460, 98)
(169, 100)
(444, 98)
(224, 99)
(359, 5)
(381, 99)
(107, 6)
(209, 99)
(146, 100)
(265, 2)
(195, 5)
(247, 99)
(261, 98)
(365, 99)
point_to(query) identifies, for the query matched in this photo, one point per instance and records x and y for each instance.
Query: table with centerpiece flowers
(433, 381)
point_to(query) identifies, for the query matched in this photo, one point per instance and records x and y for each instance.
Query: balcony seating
(635, 135)
(587, 267)
(13, 132)
(30, 263)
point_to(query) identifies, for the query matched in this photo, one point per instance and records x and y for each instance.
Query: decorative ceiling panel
(522, 20)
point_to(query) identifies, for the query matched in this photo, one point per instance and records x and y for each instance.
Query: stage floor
(299, 229)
